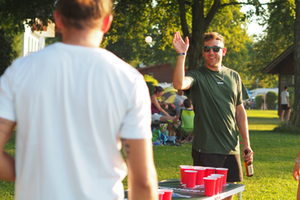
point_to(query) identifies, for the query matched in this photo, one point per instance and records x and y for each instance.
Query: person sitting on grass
(158, 113)
(188, 107)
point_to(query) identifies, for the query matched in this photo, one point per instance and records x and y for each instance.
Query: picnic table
(198, 192)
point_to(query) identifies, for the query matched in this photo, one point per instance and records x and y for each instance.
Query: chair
(187, 124)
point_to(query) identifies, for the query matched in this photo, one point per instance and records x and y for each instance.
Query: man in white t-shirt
(76, 105)
(285, 104)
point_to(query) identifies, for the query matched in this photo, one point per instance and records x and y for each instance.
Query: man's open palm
(180, 45)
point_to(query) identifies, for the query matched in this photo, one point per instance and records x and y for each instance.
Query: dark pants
(232, 162)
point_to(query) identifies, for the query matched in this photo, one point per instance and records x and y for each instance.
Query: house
(163, 73)
(35, 40)
(283, 65)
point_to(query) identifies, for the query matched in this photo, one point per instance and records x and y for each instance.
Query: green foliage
(18, 11)
(133, 21)
(258, 100)
(151, 82)
(271, 100)
(228, 22)
(271, 44)
(10, 48)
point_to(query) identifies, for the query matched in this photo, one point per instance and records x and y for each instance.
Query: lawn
(273, 160)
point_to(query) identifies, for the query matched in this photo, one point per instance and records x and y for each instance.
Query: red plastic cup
(209, 171)
(200, 175)
(167, 194)
(221, 176)
(219, 183)
(224, 172)
(190, 178)
(209, 186)
(182, 169)
(160, 194)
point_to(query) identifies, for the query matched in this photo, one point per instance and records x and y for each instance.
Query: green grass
(274, 155)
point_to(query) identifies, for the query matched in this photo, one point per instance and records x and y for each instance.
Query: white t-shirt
(72, 104)
(284, 95)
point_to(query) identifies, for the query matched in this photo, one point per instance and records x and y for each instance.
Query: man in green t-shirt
(217, 95)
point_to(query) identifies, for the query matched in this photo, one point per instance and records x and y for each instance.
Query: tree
(10, 48)
(203, 13)
(161, 20)
(284, 19)
(296, 112)
(17, 12)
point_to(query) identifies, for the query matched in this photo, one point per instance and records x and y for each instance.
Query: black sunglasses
(215, 49)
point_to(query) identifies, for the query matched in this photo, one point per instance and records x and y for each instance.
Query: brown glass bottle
(248, 167)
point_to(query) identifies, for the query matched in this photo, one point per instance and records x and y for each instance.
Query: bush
(258, 101)
(151, 82)
(271, 100)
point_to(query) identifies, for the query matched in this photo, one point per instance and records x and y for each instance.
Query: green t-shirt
(215, 95)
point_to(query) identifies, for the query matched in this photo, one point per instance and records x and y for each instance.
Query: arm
(142, 178)
(177, 118)
(7, 162)
(296, 171)
(172, 105)
(242, 122)
(287, 100)
(156, 104)
(180, 81)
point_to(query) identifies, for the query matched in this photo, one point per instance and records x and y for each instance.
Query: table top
(197, 193)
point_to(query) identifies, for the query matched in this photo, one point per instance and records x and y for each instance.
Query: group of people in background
(160, 114)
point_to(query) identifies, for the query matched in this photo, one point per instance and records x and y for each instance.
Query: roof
(161, 72)
(273, 66)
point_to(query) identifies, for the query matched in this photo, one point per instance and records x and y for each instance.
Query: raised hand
(180, 45)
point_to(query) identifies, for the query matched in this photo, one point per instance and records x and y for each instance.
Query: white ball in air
(148, 39)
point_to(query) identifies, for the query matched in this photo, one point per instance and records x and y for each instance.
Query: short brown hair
(187, 103)
(83, 13)
(213, 36)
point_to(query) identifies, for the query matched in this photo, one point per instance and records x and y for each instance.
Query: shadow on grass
(261, 120)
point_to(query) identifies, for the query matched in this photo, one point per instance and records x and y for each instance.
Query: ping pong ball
(148, 39)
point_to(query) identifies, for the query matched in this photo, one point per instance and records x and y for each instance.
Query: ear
(224, 51)
(57, 19)
(106, 23)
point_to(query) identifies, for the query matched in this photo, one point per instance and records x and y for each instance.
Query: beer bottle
(248, 167)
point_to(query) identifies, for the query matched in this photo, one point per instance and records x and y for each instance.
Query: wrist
(297, 161)
(181, 54)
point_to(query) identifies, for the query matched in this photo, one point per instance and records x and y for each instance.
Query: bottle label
(250, 169)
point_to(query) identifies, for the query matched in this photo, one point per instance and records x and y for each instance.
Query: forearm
(142, 178)
(7, 167)
(179, 73)
(7, 162)
(165, 112)
(145, 189)
(242, 124)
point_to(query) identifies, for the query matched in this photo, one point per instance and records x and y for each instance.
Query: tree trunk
(198, 29)
(296, 112)
(200, 24)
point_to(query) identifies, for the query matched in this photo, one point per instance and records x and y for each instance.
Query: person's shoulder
(230, 70)
(198, 70)
(115, 62)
